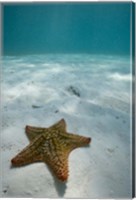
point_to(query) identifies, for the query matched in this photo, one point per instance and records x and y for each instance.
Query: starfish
(50, 145)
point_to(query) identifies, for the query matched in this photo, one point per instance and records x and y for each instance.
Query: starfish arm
(30, 154)
(59, 166)
(60, 125)
(75, 141)
(32, 132)
(56, 156)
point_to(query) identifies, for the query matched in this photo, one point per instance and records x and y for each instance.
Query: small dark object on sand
(73, 90)
(34, 106)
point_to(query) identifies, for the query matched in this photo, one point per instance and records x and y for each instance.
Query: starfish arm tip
(16, 162)
(89, 140)
(26, 128)
(12, 161)
(63, 176)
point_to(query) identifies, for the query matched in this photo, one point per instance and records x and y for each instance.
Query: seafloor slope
(92, 93)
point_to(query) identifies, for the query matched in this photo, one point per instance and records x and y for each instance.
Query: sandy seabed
(93, 94)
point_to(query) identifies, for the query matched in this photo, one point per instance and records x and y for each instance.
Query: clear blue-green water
(34, 28)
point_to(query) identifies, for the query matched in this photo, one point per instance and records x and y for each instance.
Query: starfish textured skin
(50, 145)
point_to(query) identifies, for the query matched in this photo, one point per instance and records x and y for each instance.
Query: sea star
(51, 145)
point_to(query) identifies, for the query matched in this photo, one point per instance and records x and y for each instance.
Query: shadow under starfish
(60, 186)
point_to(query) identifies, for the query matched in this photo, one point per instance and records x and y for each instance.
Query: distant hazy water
(94, 27)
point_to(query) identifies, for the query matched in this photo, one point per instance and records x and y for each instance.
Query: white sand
(36, 90)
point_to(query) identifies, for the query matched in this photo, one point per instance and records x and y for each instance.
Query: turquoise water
(100, 28)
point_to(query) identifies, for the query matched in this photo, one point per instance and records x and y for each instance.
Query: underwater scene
(68, 63)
